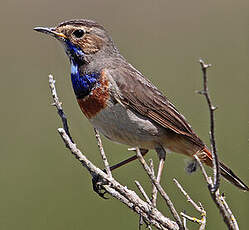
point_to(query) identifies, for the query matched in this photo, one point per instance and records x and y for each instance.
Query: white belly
(124, 126)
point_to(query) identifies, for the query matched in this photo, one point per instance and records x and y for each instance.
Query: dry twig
(199, 208)
(154, 190)
(205, 92)
(102, 153)
(139, 186)
(213, 186)
(58, 106)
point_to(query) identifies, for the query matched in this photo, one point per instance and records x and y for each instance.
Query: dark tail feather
(226, 172)
(231, 177)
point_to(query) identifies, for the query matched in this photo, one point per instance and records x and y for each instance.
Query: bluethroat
(120, 102)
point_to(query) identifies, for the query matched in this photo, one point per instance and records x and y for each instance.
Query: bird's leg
(97, 183)
(161, 155)
(143, 152)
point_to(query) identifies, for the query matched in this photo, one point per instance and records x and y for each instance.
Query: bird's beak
(50, 31)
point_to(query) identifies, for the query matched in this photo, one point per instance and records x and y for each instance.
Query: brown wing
(140, 95)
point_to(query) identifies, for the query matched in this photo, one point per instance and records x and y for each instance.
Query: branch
(151, 215)
(205, 92)
(154, 190)
(139, 186)
(102, 153)
(213, 186)
(58, 106)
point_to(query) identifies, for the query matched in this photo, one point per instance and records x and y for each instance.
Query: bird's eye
(78, 33)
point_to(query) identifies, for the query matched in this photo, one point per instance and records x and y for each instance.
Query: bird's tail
(206, 157)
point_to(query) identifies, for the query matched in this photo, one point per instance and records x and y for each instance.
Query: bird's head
(83, 39)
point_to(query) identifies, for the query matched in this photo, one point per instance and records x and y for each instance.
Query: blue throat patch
(82, 85)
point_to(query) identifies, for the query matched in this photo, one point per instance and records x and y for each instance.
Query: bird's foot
(97, 183)
(192, 166)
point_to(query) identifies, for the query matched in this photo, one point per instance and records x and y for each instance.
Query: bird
(121, 103)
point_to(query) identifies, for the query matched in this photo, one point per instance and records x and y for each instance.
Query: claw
(98, 186)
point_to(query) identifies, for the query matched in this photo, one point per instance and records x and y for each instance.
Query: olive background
(42, 185)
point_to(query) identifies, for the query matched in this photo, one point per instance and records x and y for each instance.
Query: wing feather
(142, 96)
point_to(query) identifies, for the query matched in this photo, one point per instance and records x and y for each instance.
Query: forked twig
(220, 202)
(199, 208)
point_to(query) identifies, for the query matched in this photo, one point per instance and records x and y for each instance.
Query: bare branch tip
(214, 108)
(51, 79)
(203, 64)
(61, 130)
(199, 92)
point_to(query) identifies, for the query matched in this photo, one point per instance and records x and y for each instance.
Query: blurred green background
(42, 185)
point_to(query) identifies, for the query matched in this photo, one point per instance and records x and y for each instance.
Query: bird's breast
(97, 99)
